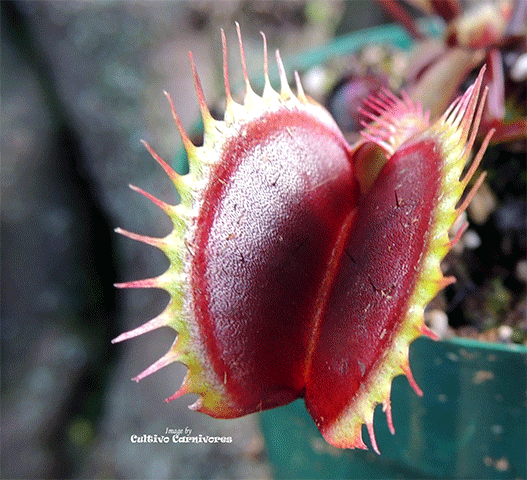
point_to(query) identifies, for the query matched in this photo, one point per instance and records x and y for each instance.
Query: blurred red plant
(492, 33)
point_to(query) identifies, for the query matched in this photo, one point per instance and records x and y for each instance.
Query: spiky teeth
(300, 265)
(395, 120)
(262, 199)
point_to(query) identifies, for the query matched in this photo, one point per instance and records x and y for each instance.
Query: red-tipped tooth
(387, 409)
(369, 426)
(167, 359)
(155, 323)
(424, 330)
(408, 372)
(154, 241)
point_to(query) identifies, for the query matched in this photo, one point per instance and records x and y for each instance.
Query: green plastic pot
(469, 424)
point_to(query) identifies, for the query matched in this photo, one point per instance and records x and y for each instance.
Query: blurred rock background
(81, 84)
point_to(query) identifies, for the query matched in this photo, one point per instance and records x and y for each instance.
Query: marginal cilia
(300, 266)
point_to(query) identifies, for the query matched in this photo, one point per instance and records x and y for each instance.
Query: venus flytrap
(301, 265)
